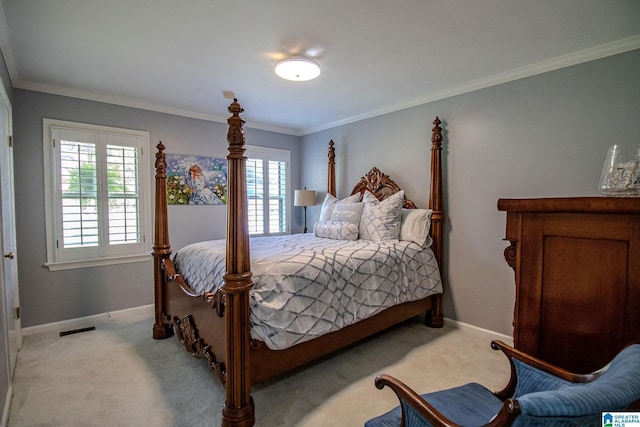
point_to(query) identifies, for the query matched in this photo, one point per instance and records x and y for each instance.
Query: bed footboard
(198, 322)
(174, 299)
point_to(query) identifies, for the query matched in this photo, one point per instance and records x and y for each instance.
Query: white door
(9, 250)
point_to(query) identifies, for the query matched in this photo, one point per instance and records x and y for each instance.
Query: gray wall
(543, 136)
(54, 296)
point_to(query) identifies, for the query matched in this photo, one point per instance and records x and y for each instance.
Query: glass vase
(621, 171)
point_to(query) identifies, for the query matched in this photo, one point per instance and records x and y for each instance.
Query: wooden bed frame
(215, 325)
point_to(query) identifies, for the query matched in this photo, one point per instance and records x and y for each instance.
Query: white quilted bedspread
(306, 286)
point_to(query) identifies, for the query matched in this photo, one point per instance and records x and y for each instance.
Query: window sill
(69, 265)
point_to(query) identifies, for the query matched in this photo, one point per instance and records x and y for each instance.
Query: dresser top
(572, 204)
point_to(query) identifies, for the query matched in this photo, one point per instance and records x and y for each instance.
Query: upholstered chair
(538, 394)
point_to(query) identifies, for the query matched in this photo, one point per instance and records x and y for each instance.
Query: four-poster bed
(218, 324)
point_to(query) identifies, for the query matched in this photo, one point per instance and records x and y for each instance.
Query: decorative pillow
(415, 225)
(347, 212)
(381, 219)
(336, 230)
(330, 202)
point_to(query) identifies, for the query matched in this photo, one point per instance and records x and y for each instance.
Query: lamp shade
(297, 69)
(304, 198)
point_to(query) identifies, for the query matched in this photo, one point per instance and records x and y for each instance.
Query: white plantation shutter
(97, 195)
(79, 186)
(267, 190)
(123, 194)
(255, 195)
(277, 196)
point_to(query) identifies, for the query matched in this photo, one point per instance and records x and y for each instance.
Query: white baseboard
(148, 309)
(462, 325)
(82, 321)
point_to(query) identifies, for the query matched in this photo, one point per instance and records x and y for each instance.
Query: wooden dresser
(577, 274)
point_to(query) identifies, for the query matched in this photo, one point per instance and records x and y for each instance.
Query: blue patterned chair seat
(481, 405)
(538, 394)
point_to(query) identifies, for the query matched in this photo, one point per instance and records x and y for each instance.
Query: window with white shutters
(268, 190)
(97, 195)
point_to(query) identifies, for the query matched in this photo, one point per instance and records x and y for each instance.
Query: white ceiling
(377, 56)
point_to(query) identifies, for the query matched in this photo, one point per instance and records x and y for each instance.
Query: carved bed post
(331, 184)
(238, 408)
(437, 218)
(161, 247)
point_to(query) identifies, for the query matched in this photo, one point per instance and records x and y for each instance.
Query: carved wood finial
(235, 135)
(436, 132)
(332, 152)
(161, 161)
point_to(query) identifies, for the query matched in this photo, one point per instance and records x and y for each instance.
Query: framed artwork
(196, 180)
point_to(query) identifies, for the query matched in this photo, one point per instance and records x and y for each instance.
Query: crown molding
(575, 58)
(125, 102)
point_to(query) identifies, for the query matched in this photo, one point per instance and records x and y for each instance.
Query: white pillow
(336, 230)
(415, 225)
(330, 202)
(381, 219)
(347, 212)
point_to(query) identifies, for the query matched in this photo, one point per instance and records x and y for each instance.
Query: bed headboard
(381, 186)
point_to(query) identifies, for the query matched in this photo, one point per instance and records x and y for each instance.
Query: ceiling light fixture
(297, 69)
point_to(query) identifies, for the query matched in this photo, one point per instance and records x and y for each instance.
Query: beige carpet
(118, 376)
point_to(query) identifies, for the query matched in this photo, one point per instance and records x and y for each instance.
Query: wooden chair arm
(507, 414)
(406, 394)
(557, 371)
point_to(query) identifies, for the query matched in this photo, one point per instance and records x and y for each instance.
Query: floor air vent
(76, 331)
